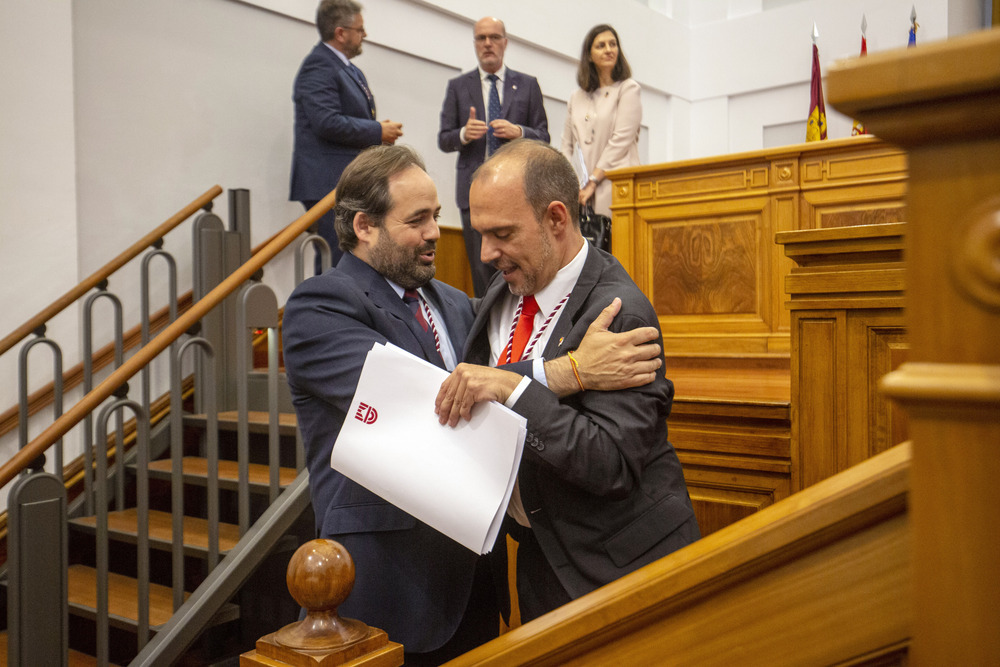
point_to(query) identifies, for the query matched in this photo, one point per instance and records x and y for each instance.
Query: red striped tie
(525, 325)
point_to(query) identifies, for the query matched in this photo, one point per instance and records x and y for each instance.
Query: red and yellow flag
(859, 127)
(816, 126)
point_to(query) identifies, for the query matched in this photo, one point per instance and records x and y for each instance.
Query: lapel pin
(561, 340)
(514, 87)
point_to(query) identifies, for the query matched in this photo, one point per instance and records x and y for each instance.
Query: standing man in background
(334, 111)
(483, 109)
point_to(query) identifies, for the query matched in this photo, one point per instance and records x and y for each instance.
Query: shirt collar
(501, 74)
(345, 59)
(563, 282)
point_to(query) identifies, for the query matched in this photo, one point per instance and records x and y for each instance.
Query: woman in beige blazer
(602, 120)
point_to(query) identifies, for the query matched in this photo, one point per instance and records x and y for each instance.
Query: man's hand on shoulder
(607, 361)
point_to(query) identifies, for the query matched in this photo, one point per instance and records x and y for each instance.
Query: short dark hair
(364, 188)
(586, 75)
(547, 175)
(333, 14)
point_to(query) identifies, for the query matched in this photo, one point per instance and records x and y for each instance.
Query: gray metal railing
(255, 309)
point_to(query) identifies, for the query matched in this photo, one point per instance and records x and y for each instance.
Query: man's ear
(363, 228)
(559, 218)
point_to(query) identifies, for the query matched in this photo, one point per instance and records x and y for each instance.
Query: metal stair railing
(125, 371)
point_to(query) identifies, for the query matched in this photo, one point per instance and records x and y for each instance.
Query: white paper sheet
(456, 480)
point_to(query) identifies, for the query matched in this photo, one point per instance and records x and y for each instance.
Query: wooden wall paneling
(786, 218)
(707, 273)
(853, 206)
(819, 364)
(452, 262)
(878, 344)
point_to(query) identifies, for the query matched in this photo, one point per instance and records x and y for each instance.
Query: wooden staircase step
(195, 471)
(123, 600)
(76, 659)
(256, 421)
(123, 526)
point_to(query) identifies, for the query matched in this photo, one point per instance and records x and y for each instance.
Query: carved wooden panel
(709, 267)
(888, 350)
(817, 423)
(721, 497)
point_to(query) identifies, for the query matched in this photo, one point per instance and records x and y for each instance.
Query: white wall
(116, 113)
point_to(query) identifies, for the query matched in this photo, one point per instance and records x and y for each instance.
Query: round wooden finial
(320, 577)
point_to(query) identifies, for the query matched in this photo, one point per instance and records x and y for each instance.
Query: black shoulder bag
(595, 227)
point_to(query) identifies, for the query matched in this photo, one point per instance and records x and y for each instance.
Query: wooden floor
(76, 659)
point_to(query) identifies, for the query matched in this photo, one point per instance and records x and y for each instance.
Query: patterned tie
(412, 299)
(525, 325)
(492, 113)
(360, 78)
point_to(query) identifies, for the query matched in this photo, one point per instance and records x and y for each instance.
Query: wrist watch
(593, 179)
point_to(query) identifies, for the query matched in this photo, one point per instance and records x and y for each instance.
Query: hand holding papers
(456, 480)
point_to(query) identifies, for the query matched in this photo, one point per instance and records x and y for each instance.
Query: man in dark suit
(600, 490)
(428, 592)
(479, 114)
(334, 111)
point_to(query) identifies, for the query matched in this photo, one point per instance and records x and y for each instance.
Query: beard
(530, 277)
(400, 264)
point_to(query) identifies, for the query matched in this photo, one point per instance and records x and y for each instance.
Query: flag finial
(864, 24)
(815, 33)
(913, 14)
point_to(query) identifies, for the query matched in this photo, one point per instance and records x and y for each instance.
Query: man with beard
(600, 491)
(334, 111)
(428, 592)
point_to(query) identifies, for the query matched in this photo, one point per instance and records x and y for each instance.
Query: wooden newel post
(320, 577)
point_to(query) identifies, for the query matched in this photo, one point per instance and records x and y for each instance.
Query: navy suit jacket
(522, 105)
(411, 581)
(600, 482)
(334, 121)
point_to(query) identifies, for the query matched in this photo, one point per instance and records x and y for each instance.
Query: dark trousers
(479, 625)
(481, 273)
(539, 590)
(328, 232)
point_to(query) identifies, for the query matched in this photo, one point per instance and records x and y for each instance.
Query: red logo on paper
(366, 413)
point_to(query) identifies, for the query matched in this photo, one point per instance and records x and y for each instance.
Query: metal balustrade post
(88, 384)
(218, 253)
(257, 309)
(321, 246)
(145, 306)
(142, 525)
(212, 458)
(37, 558)
(57, 391)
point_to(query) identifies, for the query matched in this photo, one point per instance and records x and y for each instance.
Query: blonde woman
(603, 116)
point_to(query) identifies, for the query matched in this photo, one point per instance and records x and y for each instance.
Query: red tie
(525, 324)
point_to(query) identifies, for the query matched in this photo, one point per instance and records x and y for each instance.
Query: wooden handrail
(102, 273)
(123, 373)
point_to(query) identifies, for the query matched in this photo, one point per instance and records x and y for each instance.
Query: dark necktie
(525, 325)
(492, 113)
(360, 78)
(412, 299)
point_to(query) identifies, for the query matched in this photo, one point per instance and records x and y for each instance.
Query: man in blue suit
(428, 592)
(483, 109)
(334, 111)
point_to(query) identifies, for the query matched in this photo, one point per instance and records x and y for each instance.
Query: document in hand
(456, 480)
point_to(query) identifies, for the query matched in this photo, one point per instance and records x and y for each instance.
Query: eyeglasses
(361, 29)
(492, 38)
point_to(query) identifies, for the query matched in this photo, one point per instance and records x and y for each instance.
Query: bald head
(490, 38)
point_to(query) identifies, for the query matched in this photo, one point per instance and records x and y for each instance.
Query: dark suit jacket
(333, 123)
(522, 105)
(411, 581)
(601, 483)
